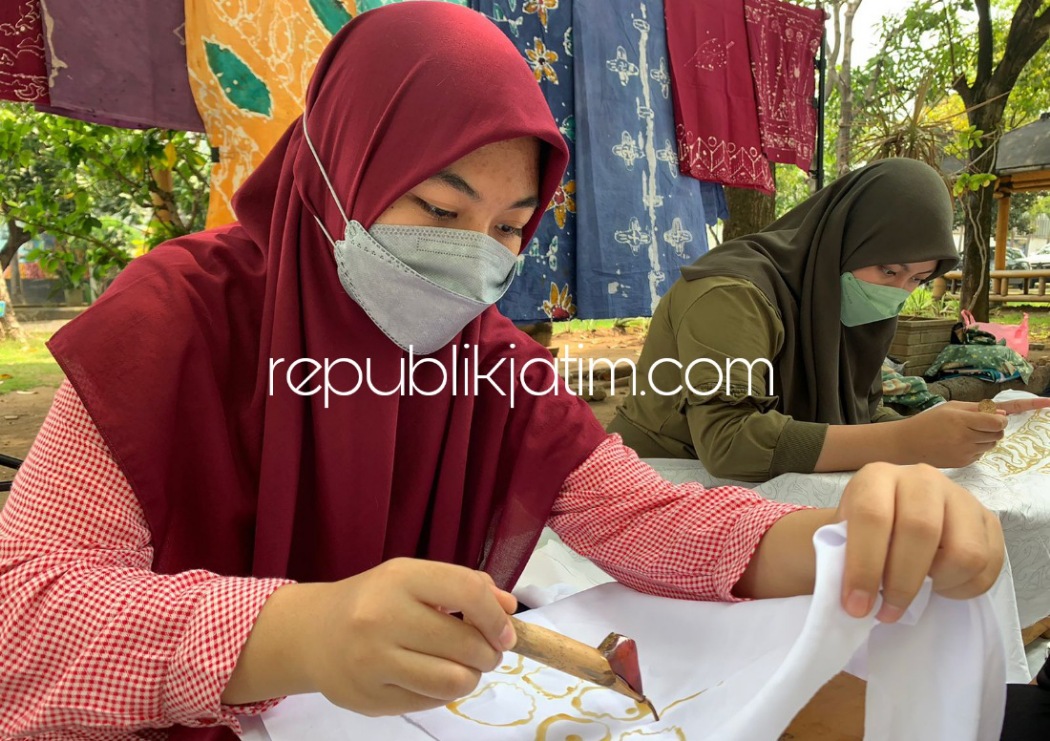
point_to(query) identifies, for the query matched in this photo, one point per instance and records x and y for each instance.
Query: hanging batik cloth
(250, 62)
(123, 67)
(714, 96)
(23, 70)
(783, 40)
(544, 288)
(638, 221)
(363, 5)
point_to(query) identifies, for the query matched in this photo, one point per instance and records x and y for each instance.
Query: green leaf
(241, 86)
(332, 14)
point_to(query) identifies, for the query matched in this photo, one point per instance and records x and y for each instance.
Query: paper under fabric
(120, 66)
(172, 362)
(23, 67)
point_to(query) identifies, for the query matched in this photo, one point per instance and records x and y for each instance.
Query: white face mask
(420, 285)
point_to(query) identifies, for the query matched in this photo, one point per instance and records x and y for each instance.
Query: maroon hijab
(173, 362)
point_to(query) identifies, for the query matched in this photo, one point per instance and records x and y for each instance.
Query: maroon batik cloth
(23, 71)
(714, 97)
(121, 64)
(783, 40)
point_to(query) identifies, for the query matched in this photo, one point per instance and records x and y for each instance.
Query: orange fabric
(250, 62)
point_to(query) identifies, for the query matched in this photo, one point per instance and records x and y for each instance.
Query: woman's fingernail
(889, 613)
(507, 638)
(858, 603)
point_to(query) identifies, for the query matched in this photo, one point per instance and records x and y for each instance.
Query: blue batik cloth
(544, 287)
(638, 221)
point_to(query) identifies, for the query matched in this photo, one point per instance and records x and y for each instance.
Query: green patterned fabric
(363, 5)
(993, 363)
(906, 391)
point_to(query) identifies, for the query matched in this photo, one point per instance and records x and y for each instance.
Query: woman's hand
(907, 522)
(950, 435)
(379, 643)
(387, 644)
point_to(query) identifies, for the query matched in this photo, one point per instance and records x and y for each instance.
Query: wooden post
(1002, 235)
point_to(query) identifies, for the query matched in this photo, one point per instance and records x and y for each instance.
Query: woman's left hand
(1017, 406)
(907, 522)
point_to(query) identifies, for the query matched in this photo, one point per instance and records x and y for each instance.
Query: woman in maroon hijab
(240, 493)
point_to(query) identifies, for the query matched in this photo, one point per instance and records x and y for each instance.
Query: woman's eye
(434, 211)
(510, 231)
(889, 273)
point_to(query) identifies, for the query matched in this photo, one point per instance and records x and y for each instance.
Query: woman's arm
(728, 543)
(672, 540)
(91, 638)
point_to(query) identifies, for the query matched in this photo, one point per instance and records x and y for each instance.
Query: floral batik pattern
(544, 287)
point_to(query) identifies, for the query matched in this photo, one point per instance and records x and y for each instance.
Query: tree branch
(985, 43)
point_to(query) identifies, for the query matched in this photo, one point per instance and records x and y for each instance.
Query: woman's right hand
(383, 642)
(951, 435)
(386, 643)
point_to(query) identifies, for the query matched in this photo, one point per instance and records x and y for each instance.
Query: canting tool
(614, 664)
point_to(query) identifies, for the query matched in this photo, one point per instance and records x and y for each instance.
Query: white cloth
(720, 671)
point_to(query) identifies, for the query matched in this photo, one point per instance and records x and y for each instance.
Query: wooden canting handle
(562, 653)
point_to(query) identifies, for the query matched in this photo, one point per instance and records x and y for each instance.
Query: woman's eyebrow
(530, 202)
(453, 180)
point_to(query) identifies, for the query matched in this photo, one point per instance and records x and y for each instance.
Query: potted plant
(923, 329)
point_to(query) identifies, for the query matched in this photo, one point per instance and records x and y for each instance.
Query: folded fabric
(907, 391)
(731, 672)
(993, 363)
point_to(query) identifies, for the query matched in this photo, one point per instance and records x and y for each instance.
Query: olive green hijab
(890, 212)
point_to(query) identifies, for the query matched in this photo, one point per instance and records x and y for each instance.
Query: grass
(24, 368)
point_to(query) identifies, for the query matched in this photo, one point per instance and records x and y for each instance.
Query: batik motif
(715, 109)
(250, 64)
(23, 71)
(638, 220)
(545, 285)
(783, 40)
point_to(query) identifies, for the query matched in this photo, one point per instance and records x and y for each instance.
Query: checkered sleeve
(93, 644)
(672, 540)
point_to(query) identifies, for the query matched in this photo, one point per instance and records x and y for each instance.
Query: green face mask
(864, 303)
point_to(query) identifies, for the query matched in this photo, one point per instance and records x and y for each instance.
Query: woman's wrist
(277, 658)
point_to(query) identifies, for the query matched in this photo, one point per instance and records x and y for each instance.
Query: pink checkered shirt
(94, 645)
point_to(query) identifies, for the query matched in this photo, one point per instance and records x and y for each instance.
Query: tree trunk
(9, 326)
(16, 237)
(985, 99)
(17, 292)
(749, 211)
